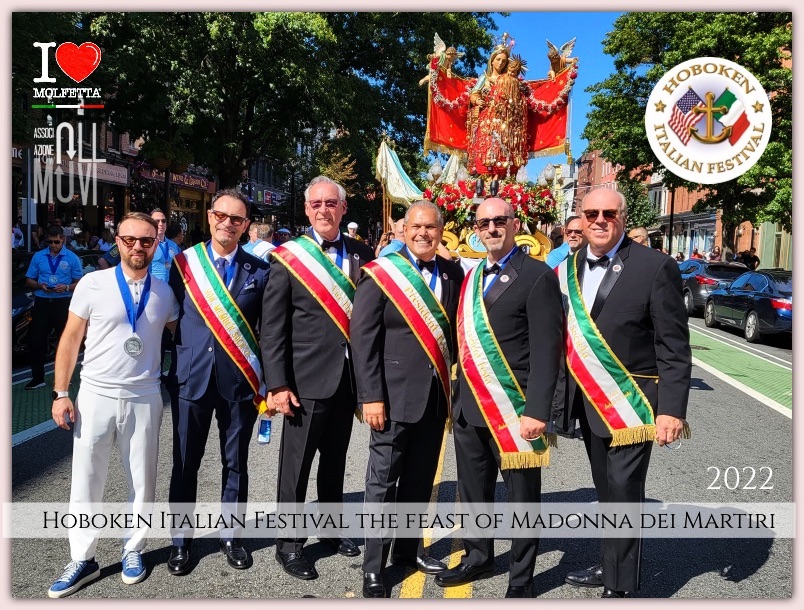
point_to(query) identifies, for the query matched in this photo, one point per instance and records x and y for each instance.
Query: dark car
(700, 277)
(759, 302)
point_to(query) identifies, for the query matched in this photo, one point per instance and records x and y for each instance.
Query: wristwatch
(56, 395)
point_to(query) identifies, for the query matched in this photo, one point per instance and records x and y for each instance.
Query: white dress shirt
(592, 278)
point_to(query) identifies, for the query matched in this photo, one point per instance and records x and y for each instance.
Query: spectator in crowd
(680, 257)
(750, 259)
(352, 231)
(53, 274)
(696, 254)
(639, 235)
(715, 254)
(284, 235)
(106, 242)
(573, 241)
(175, 234)
(398, 242)
(79, 241)
(166, 249)
(17, 238)
(264, 247)
(119, 398)
(37, 237)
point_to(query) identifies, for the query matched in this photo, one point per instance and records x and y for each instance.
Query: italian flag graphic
(735, 117)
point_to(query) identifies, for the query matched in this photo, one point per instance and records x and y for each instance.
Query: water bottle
(264, 429)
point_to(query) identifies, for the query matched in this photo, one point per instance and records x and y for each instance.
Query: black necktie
(326, 244)
(493, 270)
(429, 265)
(603, 261)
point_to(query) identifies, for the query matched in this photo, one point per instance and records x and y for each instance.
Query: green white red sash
(406, 289)
(491, 380)
(327, 282)
(607, 384)
(222, 316)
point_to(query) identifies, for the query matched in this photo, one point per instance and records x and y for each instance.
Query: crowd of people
(323, 331)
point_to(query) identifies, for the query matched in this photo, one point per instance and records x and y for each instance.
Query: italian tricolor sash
(608, 386)
(327, 282)
(406, 289)
(222, 316)
(489, 376)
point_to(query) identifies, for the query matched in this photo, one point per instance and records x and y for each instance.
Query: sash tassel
(633, 436)
(525, 459)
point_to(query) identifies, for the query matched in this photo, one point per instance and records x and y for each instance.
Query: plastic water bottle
(264, 429)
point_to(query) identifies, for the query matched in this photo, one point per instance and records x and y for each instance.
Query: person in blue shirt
(573, 241)
(165, 248)
(53, 274)
(398, 242)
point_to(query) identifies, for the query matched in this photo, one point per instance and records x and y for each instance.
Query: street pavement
(731, 427)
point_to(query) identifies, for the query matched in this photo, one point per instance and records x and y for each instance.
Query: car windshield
(724, 272)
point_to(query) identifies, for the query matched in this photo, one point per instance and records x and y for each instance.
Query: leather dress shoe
(591, 577)
(426, 564)
(179, 560)
(297, 565)
(342, 546)
(517, 591)
(611, 593)
(236, 555)
(373, 585)
(461, 574)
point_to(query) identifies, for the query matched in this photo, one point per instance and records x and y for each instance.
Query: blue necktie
(220, 265)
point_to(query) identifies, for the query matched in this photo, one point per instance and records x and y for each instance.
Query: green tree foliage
(641, 212)
(645, 46)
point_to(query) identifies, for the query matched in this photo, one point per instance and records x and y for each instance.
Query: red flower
(450, 207)
(427, 194)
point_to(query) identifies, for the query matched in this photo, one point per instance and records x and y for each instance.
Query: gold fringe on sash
(633, 436)
(552, 439)
(359, 414)
(686, 432)
(525, 459)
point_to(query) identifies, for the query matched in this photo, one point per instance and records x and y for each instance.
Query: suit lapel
(508, 275)
(354, 259)
(613, 273)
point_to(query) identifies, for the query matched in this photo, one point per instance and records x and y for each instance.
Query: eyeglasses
(53, 242)
(221, 216)
(573, 231)
(483, 223)
(129, 241)
(592, 215)
(330, 203)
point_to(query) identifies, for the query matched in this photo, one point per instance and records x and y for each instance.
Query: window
(740, 282)
(760, 282)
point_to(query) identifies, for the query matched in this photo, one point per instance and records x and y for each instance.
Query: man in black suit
(633, 296)
(523, 304)
(307, 360)
(406, 413)
(209, 376)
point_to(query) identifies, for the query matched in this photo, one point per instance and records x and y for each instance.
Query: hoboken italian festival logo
(708, 120)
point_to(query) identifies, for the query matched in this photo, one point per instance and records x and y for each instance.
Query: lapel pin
(444, 276)
(504, 278)
(247, 266)
(617, 268)
(356, 256)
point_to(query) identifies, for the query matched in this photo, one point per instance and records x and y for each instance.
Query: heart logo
(78, 62)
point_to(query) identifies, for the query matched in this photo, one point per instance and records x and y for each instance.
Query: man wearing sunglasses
(52, 275)
(509, 345)
(122, 312)
(573, 241)
(218, 372)
(624, 299)
(306, 353)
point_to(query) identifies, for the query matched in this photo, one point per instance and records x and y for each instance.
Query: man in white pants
(123, 311)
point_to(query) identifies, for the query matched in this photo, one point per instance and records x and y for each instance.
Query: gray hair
(265, 231)
(427, 205)
(325, 180)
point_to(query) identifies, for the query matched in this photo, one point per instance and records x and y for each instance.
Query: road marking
(26, 435)
(778, 407)
(743, 348)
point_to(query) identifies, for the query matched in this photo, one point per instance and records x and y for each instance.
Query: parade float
(490, 126)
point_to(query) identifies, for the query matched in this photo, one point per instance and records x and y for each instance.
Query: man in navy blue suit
(219, 289)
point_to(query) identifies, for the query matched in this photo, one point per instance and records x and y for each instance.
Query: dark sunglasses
(573, 231)
(592, 215)
(483, 223)
(129, 241)
(53, 242)
(331, 204)
(235, 220)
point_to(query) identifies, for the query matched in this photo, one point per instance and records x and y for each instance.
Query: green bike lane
(760, 377)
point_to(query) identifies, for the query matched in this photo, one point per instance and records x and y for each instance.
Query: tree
(644, 47)
(641, 212)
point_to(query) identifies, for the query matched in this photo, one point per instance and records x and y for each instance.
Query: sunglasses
(53, 242)
(592, 215)
(129, 241)
(235, 220)
(573, 231)
(483, 223)
(331, 204)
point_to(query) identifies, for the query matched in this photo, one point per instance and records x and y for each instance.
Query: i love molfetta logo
(77, 62)
(708, 120)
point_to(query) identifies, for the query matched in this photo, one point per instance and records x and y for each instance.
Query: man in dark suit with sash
(509, 344)
(307, 308)
(403, 327)
(629, 366)
(219, 289)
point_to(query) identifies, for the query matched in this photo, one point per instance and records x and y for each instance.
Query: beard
(136, 264)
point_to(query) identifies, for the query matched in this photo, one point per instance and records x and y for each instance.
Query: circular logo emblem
(64, 265)
(708, 120)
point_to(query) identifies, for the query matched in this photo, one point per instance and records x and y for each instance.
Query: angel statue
(498, 120)
(558, 59)
(442, 58)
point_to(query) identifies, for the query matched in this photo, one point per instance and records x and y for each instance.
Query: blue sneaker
(75, 576)
(133, 568)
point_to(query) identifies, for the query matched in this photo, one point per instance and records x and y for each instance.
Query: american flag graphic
(683, 117)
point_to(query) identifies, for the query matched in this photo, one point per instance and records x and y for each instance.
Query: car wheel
(709, 315)
(752, 327)
(689, 303)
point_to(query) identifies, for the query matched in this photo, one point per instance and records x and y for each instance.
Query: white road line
(26, 435)
(778, 407)
(786, 365)
(723, 337)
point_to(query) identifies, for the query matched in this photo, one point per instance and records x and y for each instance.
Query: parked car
(700, 277)
(758, 302)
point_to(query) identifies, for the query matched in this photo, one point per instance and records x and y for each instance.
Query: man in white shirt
(123, 312)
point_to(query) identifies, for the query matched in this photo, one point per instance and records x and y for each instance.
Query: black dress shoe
(236, 555)
(179, 560)
(611, 593)
(296, 565)
(373, 585)
(591, 577)
(424, 563)
(342, 546)
(517, 591)
(461, 575)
